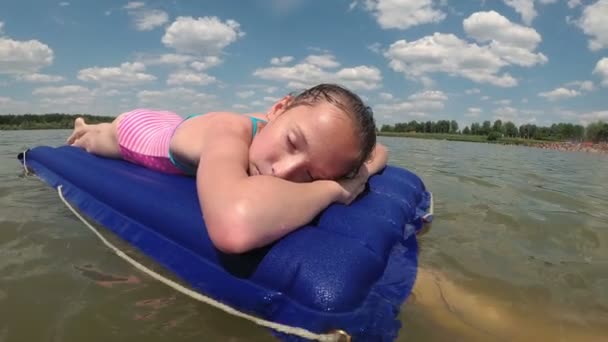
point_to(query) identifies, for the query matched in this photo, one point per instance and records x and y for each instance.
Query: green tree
(497, 127)
(475, 128)
(486, 127)
(597, 131)
(386, 128)
(466, 130)
(510, 129)
(453, 126)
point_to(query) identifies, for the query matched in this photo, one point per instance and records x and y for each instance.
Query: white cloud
(184, 99)
(69, 96)
(1, 27)
(149, 19)
(574, 3)
(403, 14)
(386, 96)
(22, 57)
(281, 60)
(515, 115)
(240, 106)
(145, 19)
(170, 59)
(525, 8)
(418, 105)
(134, 5)
(298, 76)
(271, 99)
(359, 77)
(545, 2)
(587, 86)
(375, 47)
(245, 94)
(472, 91)
(184, 77)
(202, 36)
(125, 74)
(11, 106)
(304, 75)
(447, 53)
(518, 56)
(473, 112)
(589, 117)
(323, 61)
(593, 22)
(512, 42)
(40, 78)
(206, 63)
(352, 5)
(68, 90)
(506, 44)
(429, 95)
(559, 94)
(601, 69)
(106, 92)
(503, 102)
(581, 85)
(64, 3)
(489, 26)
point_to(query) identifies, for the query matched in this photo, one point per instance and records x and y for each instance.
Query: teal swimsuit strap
(189, 169)
(186, 168)
(254, 122)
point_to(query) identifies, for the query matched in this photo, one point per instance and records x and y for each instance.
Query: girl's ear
(279, 107)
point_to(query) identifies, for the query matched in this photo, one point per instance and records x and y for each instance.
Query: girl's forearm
(262, 209)
(280, 206)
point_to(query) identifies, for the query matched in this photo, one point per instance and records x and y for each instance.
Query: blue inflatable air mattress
(350, 269)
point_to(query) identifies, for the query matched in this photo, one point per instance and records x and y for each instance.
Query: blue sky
(537, 61)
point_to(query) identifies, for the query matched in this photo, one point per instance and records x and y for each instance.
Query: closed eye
(290, 142)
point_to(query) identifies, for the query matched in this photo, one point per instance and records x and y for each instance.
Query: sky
(527, 61)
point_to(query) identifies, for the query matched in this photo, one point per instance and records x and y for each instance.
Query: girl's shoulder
(222, 120)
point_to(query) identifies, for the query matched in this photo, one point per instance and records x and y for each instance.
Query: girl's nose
(288, 168)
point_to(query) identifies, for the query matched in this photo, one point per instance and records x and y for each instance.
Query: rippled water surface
(518, 251)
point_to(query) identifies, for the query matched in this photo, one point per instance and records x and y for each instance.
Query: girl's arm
(243, 212)
(378, 159)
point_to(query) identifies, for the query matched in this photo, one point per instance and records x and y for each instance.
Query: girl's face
(304, 143)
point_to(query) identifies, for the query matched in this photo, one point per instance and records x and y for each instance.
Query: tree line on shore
(596, 131)
(47, 121)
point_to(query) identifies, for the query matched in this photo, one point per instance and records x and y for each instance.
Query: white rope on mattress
(431, 208)
(336, 335)
(27, 172)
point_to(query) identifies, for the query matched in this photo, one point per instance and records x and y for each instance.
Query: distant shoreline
(565, 146)
(12, 122)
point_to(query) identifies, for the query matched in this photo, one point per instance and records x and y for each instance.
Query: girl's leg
(100, 139)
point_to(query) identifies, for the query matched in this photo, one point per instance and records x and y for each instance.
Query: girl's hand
(353, 187)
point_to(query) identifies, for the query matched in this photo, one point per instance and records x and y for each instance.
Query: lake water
(518, 251)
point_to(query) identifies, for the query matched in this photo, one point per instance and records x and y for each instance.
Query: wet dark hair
(350, 103)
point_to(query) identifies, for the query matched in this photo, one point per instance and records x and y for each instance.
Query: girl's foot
(80, 128)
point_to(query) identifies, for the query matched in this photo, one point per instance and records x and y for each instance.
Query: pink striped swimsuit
(144, 137)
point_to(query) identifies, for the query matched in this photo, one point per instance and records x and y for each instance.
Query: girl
(258, 177)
